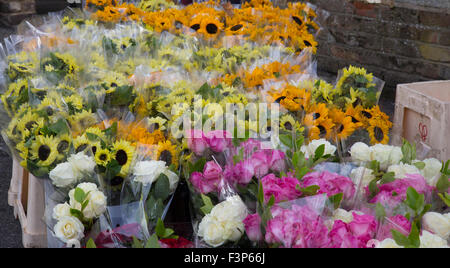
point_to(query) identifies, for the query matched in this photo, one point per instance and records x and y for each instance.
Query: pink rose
(209, 180)
(297, 227)
(196, 141)
(218, 140)
(282, 189)
(261, 163)
(250, 146)
(341, 236)
(212, 171)
(243, 172)
(330, 183)
(398, 222)
(363, 227)
(277, 162)
(253, 227)
(393, 193)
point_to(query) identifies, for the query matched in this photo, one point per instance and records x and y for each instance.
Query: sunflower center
(81, 148)
(121, 157)
(211, 28)
(297, 20)
(117, 180)
(322, 130)
(29, 125)
(44, 152)
(195, 27)
(288, 125)
(354, 120)
(278, 100)
(103, 157)
(341, 128)
(236, 27)
(166, 156)
(378, 133)
(366, 114)
(316, 116)
(49, 111)
(94, 149)
(62, 146)
(307, 43)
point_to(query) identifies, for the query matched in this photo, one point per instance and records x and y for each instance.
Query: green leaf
(84, 204)
(300, 173)
(112, 169)
(443, 184)
(260, 194)
(380, 212)
(399, 238)
(136, 243)
(445, 198)
(414, 237)
(207, 204)
(319, 152)
(153, 242)
(79, 195)
(336, 200)
(160, 229)
(271, 201)
(91, 136)
(419, 165)
(155, 208)
(373, 187)
(90, 244)
(162, 187)
(286, 140)
(60, 127)
(199, 165)
(122, 96)
(388, 177)
(300, 141)
(310, 190)
(414, 200)
(409, 152)
(111, 131)
(76, 213)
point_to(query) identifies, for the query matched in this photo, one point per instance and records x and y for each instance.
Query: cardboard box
(422, 116)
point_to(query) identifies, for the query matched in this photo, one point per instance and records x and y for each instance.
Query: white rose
(61, 210)
(437, 223)
(362, 175)
(81, 163)
(86, 187)
(69, 228)
(360, 152)
(401, 170)
(432, 170)
(395, 156)
(63, 175)
(232, 209)
(310, 149)
(387, 243)
(173, 179)
(429, 240)
(382, 153)
(146, 172)
(343, 215)
(212, 231)
(224, 223)
(96, 205)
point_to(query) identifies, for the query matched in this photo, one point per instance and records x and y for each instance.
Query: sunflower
(323, 129)
(167, 152)
(82, 120)
(355, 114)
(210, 27)
(156, 123)
(81, 143)
(45, 150)
(12, 131)
(96, 132)
(288, 123)
(63, 145)
(123, 153)
(316, 113)
(378, 131)
(343, 124)
(74, 103)
(28, 121)
(102, 157)
(49, 106)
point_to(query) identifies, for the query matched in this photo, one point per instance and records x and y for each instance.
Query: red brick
(366, 9)
(434, 19)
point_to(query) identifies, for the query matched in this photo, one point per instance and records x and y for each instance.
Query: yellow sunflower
(81, 143)
(288, 123)
(343, 124)
(316, 113)
(63, 145)
(378, 132)
(210, 27)
(45, 150)
(123, 153)
(156, 123)
(323, 129)
(102, 157)
(167, 152)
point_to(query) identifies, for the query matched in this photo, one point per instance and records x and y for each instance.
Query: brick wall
(14, 11)
(399, 41)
